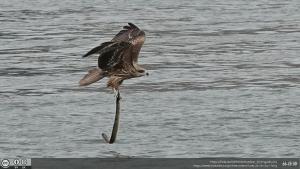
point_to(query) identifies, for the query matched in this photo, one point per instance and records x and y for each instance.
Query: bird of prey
(117, 58)
(118, 61)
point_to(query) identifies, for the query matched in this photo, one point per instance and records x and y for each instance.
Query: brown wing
(98, 49)
(129, 32)
(132, 34)
(111, 55)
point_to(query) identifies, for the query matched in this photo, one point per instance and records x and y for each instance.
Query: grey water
(224, 79)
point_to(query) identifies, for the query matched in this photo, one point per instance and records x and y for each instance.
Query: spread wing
(97, 49)
(127, 34)
(125, 46)
(112, 54)
(132, 34)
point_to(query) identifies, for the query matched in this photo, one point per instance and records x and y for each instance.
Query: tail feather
(93, 76)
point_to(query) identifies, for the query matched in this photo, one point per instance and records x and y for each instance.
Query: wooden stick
(116, 122)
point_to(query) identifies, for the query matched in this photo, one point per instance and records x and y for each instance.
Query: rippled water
(224, 79)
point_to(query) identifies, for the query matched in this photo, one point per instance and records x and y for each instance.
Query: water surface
(224, 79)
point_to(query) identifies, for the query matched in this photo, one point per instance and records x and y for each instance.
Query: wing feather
(125, 34)
(97, 49)
(124, 47)
(126, 27)
(112, 55)
(132, 25)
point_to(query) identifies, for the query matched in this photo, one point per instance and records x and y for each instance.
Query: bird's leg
(116, 122)
(115, 92)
